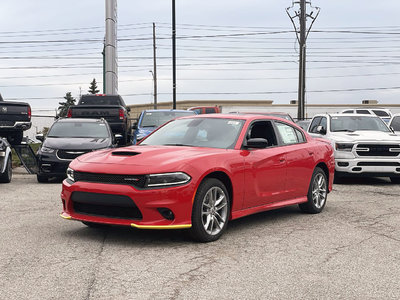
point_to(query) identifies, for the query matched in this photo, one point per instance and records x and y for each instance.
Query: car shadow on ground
(363, 181)
(121, 235)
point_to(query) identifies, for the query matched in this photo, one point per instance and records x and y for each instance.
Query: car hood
(149, 156)
(365, 136)
(76, 143)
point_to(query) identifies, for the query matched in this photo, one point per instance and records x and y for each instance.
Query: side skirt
(269, 206)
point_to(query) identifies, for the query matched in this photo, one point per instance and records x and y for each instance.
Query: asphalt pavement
(349, 251)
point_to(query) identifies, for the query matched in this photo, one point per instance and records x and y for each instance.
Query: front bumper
(50, 165)
(368, 166)
(142, 213)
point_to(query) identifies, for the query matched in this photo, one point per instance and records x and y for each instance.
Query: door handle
(310, 152)
(281, 160)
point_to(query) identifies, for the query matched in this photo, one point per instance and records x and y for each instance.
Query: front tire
(317, 193)
(7, 175)
(42, 178)
(211, 211)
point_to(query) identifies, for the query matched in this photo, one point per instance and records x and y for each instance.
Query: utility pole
(302, 33)
(110, 49)
(154, 73)
(173, 57)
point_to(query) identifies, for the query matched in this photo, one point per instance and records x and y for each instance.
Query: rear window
(157, 118)
(99, 100)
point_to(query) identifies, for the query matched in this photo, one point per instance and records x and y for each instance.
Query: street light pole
(154, 73)
(173, 57)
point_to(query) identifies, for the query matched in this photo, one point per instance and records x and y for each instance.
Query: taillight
(29, 112)
(121, 114)
(69, 114)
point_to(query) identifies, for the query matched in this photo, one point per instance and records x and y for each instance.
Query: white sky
(342, 67)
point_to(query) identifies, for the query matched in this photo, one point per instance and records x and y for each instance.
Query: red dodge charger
(198, 173)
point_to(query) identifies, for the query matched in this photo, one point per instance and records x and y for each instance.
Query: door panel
(299, 164)
(265, 176)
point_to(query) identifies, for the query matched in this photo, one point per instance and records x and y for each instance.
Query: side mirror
(258, 143)
(134, 126)
(40, 137)
(321, 130)
(118, 136)
(128, 109)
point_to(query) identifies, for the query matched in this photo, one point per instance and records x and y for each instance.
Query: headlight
(344, 147)
(70, 174)
(47, 150)
(167, 179)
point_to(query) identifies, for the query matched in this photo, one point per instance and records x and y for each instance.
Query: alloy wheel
(214, 210)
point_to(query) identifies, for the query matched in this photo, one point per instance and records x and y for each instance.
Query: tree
(93, 87)
(64, 106)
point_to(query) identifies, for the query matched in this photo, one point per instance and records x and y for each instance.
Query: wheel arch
(324, 168)
(225, 179)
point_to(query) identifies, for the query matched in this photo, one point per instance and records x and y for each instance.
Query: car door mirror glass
(321, 130)
(40, 137)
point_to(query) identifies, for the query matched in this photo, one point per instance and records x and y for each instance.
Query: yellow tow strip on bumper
(65, 217)
(183, 226)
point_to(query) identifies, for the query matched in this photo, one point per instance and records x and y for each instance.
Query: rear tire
(395, 180)
(211, 211)
(7, 175)
(42, 178)
(317, 193)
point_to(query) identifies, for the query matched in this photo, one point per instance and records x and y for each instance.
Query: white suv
(363, 144)
(383, 113)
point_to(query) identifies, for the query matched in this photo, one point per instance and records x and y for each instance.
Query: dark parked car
(66, 140)
(110, 107)
(149, 120)
(5, 161)
(15, 117)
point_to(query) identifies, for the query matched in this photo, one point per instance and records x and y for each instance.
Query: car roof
(246, 117)
(345, 115)
(161, 110)
(80, 120)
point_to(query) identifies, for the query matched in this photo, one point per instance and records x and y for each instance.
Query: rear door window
(363, 111)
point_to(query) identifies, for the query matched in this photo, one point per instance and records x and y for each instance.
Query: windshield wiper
(344, 130)
(177, 145)
(149, 126)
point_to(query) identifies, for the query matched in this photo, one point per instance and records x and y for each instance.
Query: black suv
(66, 140)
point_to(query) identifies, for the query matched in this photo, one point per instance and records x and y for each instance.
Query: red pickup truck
(205, 109)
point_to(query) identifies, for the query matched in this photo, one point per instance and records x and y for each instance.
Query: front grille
(70, 154)
(137, 181)
(378, 164)
(377, 150)
(6, 123)
(105, 205)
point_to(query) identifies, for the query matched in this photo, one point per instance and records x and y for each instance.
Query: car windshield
(157, 118)
(198, 132)
(78, 130)
(354, 123)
